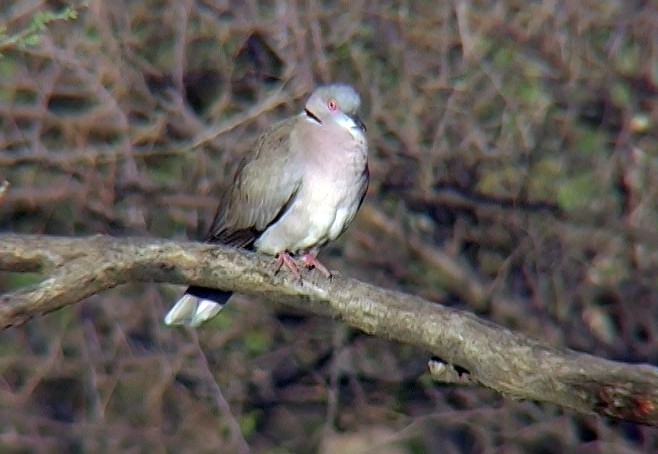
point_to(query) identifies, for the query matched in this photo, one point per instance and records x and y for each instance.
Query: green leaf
(578, 192)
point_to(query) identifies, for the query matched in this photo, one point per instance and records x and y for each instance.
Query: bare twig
(508, 362)
(4, 186)
(275, 99)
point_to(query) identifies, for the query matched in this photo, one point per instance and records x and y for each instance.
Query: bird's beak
(357, 121)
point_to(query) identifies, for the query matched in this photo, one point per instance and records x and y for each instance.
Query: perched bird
(298, 188)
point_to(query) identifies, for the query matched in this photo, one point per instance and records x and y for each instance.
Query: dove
(295, 190)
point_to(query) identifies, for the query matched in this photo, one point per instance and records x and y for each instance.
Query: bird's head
(337, 104)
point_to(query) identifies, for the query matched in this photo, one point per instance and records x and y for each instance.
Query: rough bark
(508, 362)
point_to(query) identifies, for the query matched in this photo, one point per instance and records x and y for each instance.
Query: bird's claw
(284, 258)
(308, 259)
(312, 262)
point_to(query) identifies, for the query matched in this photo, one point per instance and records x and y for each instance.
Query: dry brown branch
(3, 190)
(275, 99)
(511, 363)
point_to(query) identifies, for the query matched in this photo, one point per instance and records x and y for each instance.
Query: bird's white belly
(318, 215)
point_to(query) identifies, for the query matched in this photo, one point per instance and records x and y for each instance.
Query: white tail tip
(192, 311)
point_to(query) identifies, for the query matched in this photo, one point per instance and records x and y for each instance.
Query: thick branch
(508, 362)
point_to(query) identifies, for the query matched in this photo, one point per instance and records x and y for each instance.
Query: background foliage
(519, 138)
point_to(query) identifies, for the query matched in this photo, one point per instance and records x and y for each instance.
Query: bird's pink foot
(312, 262)
(284, 258)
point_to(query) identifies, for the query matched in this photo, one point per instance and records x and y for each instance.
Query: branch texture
(510, 363)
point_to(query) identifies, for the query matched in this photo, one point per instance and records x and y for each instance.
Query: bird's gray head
(338, 103)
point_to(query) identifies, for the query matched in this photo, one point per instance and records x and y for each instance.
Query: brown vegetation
(513, 160)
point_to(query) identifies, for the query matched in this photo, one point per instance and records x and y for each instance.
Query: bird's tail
(196, 306)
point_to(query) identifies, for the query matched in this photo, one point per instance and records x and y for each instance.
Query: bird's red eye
(332, 104)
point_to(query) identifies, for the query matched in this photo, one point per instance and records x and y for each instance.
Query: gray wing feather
(266, 182)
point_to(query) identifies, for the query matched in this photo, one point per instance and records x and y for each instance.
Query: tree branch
(493, 356)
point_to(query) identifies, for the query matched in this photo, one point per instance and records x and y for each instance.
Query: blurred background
(514, 160)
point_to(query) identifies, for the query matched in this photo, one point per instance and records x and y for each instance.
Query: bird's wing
(265, 184)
